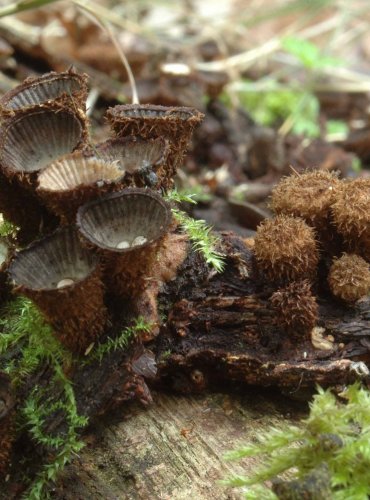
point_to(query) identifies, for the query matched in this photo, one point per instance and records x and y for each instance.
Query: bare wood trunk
(174, 449)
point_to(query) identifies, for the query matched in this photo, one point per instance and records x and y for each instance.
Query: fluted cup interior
(133, 154)
(34, 140)
(76, 170)
(57, 261)
(41, 90)
(129, 219)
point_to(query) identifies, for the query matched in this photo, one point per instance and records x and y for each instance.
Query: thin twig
(244, 60)
(106, 26)
(22, 5)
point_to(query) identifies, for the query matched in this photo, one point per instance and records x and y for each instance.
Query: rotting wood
(222, 327)
(174, 449)
(219, 328)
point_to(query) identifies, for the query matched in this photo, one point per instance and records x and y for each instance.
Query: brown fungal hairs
(349, 278)
(285, 249)
(351, 215)
(308, 196)
(296, 307)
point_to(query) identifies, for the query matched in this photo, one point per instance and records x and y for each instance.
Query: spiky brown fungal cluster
(351, 215)
(296, 308)
(285, 249)
(176, 124)
(349, 278)
(308, 196)
(312, 211)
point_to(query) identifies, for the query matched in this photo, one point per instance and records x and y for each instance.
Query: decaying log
(174, 450)
(216, 329)
(100, 388)
(222, 327)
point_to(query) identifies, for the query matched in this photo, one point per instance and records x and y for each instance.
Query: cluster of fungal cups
(91, 217)
(320, 233)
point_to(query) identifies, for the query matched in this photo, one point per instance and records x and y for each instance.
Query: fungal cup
(126, 229)
(63, 279)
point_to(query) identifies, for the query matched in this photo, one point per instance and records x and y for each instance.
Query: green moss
(63, 446)
(335, 435)
(120, 342)
(27, 344)
(23, 328)
(203, 239)
(8, 229)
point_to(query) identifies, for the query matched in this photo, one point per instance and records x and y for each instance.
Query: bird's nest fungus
(99, 247)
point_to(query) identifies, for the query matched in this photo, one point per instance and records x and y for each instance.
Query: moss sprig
(120, 342)
(65, 446)
(27, 342)
(200, 234)
(23, 327)
(25, 332)
(336, 434)
(180, 197)
(7, 229)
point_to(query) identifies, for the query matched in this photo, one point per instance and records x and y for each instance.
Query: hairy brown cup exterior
(119, 217)
(76, 311)
(176, 124)
(20, 207)
(67, 89)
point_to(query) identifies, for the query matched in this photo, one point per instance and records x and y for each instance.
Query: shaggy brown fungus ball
(351, 214)
(349, 277)
(309, 196)
(285, 249)
(296, 307)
